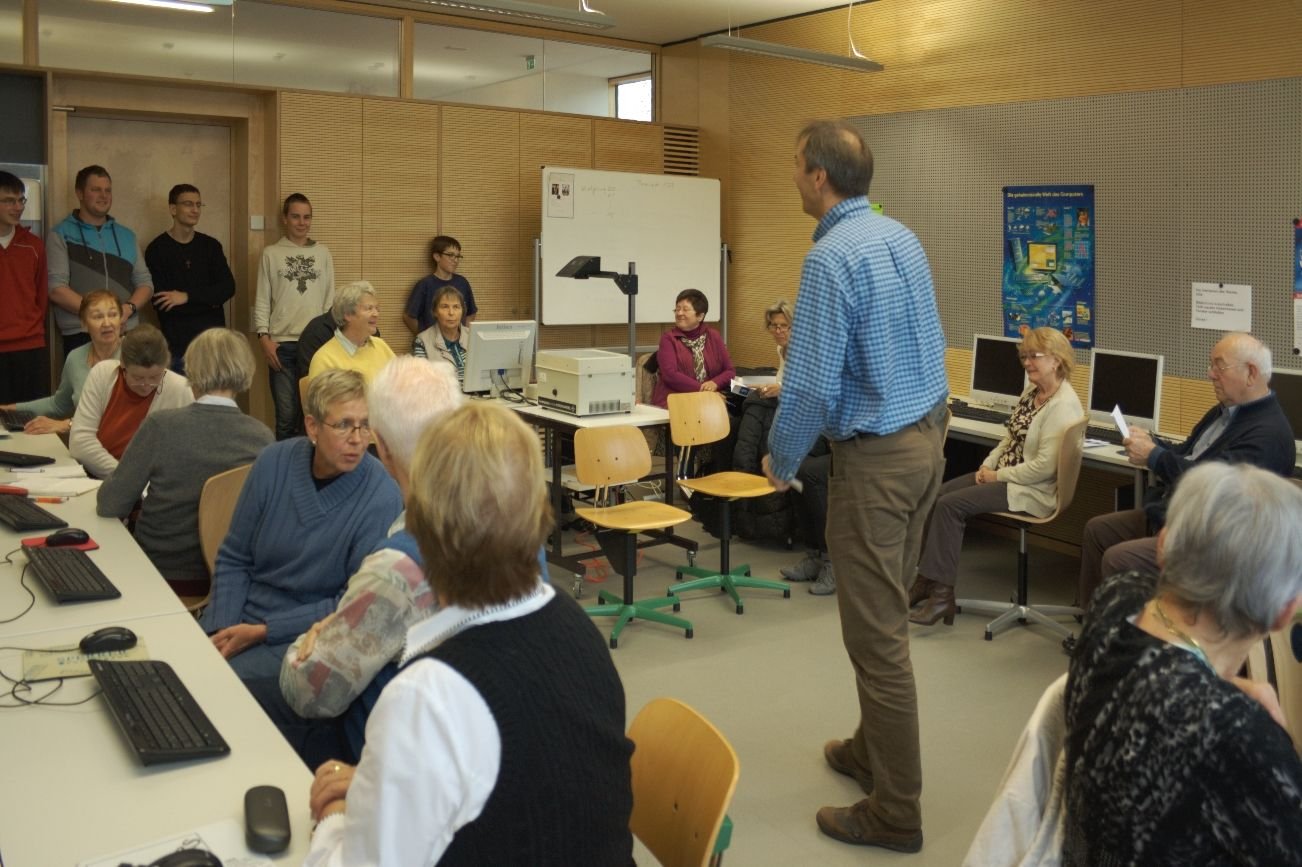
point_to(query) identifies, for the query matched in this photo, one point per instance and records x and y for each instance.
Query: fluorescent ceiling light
(584, 17)
(206, 6)
(791, 52)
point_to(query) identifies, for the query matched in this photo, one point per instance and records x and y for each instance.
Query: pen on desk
(49, 499)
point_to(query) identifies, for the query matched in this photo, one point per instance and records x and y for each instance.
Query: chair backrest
(1285, 647)
(605, 456)
(684, 774)
(697, 418)
(302, 392)
(216, 506)
(644, 378)
(1069, 458)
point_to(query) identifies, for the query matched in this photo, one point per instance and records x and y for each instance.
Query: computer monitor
(1131, 380)
(1287, 385)
(1044, 257)
(998, 377)
(499, 355)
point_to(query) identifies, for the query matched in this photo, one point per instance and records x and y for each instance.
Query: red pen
(49, 499)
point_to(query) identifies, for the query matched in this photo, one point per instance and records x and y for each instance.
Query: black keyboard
(22, 514)
(18, 459)
(1107, 434)
(161, 720)
(15, 419)
(70, 575)
(976, 413)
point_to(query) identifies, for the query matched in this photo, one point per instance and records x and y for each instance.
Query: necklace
(1194, 647)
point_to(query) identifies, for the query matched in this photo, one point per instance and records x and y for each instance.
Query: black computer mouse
(188, 858)
(68, 536)
(107, 639)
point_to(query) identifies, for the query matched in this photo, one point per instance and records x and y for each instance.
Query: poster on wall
(1297, 287)
(1049, 261)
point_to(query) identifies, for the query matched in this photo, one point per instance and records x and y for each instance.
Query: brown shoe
(920, 590)
(840, 759)
(858, 826)
(939, 604)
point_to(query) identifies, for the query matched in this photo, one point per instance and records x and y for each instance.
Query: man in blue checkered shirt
(866, 368)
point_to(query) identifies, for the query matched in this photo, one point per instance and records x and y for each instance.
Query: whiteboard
(668, 225)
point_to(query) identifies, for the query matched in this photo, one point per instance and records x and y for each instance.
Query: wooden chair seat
(729, 485)
(635, 516)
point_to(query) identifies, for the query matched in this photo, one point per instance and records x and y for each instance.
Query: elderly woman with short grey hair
(176, 450)
(1172, 759)
(354, 345)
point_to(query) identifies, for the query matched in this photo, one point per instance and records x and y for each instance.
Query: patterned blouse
(1018, 424)
(1167, 762)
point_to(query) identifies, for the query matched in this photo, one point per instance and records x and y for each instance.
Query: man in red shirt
(23, 297)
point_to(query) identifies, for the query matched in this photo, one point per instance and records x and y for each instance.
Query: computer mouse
(68, 536)
(107, 639)
(188, 858)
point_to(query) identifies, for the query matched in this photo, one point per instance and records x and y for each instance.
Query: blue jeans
(284, 391)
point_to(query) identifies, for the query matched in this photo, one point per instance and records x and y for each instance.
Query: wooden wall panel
(321, 157)
(480, 202)
(626, 146)
(400, 196)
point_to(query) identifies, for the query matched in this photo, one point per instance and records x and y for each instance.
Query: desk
(75, 791)
(559, 425)
(144, 592)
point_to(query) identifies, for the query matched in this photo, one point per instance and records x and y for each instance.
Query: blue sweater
(291, 548)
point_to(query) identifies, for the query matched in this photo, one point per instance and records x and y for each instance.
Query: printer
(584, 382)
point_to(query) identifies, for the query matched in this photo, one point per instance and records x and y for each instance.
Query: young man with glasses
(445, 252)
(24, 297)
(192, 280)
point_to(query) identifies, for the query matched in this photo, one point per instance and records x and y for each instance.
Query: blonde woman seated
(354, 346)
(501, 740)
(1020, 475)
(176, 450)
(117, 397)
(101, 317)
(1171, 758)
(446, 339)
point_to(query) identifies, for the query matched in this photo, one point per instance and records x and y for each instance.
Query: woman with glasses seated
(1019, 475)
(177, 450)
(1171, 757)
(311, 510)
(117, 397)
(447, 339)
(445, 255)
(692, 355)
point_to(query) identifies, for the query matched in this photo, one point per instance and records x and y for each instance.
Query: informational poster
(1297, 287)
(560, 195)
(1049, 261)
(1221, 306)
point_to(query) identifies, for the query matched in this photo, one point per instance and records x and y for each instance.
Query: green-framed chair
(696, 419)
(606, 458)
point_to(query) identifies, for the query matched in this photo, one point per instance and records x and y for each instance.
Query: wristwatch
(134, 308)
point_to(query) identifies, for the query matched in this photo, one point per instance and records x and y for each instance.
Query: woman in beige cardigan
(1020, 475)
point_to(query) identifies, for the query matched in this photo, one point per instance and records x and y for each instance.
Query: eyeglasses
(1220, 367)
(1032, 356)
(773, 326)
(457, 256)
(345, 429)
(10, 201)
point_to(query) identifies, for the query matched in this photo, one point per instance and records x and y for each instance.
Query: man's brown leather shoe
(841, 759)
(858, 826)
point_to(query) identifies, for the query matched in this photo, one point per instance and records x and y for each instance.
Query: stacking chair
(696, 419)
(608, 457)
(1069, 457)
(303, 383)
(216, 507)
(684, 774)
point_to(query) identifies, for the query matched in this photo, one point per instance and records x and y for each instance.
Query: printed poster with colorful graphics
(1297, 287)
(1049, 261)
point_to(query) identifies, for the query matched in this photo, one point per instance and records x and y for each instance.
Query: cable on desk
(22, 582)
(43, 701)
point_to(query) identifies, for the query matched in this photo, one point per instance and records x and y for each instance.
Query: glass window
(137, 40)
(453, 64)
(633, 98)
(285, 46)
(11, 31)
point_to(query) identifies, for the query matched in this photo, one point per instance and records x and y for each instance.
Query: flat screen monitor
(998, 377)
(499, 355)
(1131, 380)
(1287, 385)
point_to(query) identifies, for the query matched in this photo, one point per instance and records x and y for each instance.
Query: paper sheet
(49, 664)
(67, 471)
(225, 839)
(1121, 421)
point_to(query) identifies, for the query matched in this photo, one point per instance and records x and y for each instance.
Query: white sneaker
(806, 570)
(826, 583)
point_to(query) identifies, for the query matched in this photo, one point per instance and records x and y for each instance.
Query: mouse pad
(39, 542)
(50, 664)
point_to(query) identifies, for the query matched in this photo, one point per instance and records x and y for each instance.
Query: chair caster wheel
(748, 574)
(990, 636)
(740, 609)
(677, 607)
(786, 594)
(678, 576)
(689, 633)
(691, 561)
(723, 589)
(614, 643)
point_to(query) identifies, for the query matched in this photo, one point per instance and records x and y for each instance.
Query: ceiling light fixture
(170, 4)
(790, 52)
(585, 16)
